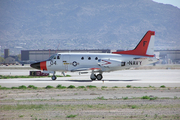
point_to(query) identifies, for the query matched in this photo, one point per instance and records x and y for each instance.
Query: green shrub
(14, 88)
(21, 115)
(151, 86)
(128, 86)
(175, 97)
(133, 106)
(60, 87)
(68, 75)
(153, 98)
(104, 87)
(32, 86)
(145, 97)
(162, 86)
(115, 87)
(81, 87)
(71, 86)
(90, 86)
(63, 87)
(139, 87)
(71, 116)
(49, 87)
(4, 88)
(101, 98)
(124, 98)
(22, 87)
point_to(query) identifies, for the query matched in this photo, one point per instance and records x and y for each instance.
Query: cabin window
(82, 58)
(54, 57)
(89, 58)
(58, 57)
(96, 58)
(123, 63)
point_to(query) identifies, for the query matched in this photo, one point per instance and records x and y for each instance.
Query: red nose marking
(43, 65)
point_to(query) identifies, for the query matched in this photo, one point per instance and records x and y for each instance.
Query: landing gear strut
(54, 77)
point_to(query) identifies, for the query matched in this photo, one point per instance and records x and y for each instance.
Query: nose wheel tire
(53, 77)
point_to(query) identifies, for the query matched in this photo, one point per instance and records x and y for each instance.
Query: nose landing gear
(54, 76)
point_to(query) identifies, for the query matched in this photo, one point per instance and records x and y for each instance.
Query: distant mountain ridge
(84, 24)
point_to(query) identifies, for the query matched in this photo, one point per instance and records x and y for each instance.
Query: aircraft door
(65, 62)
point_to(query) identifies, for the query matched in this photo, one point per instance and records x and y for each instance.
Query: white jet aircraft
(143, 54)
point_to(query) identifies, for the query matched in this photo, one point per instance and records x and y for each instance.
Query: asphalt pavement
(136, 78)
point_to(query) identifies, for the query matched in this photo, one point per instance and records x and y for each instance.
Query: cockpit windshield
(52, 57)
(55, 56)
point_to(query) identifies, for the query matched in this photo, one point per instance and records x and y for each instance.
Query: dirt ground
(90, 104)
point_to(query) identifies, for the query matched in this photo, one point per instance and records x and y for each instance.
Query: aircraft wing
(140, 58)
(85, 69)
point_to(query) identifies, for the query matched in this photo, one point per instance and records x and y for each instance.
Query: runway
(136, 78)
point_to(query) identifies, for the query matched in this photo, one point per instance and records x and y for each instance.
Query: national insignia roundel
(74, 63)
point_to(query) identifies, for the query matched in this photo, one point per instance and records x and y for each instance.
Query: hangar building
(39, 55)
(166, 56)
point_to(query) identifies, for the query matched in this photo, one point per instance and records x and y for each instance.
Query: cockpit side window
(52, 57)
(58, 57)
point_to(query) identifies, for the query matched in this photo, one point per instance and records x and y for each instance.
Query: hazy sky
(172, 2)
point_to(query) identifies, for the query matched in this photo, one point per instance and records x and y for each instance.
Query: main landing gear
(94, 76)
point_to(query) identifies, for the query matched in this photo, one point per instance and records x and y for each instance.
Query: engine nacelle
(105, 62)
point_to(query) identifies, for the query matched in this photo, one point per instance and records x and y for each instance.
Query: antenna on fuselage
(57, 47)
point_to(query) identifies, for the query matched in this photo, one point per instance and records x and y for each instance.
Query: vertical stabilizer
(144, 48)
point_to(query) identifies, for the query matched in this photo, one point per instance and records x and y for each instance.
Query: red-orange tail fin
(144, 48)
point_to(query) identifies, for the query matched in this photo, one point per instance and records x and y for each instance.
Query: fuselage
(84, 61)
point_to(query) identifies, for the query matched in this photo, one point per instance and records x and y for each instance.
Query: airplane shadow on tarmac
(99, 80)
(85, 80)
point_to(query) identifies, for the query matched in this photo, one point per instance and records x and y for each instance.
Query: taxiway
(137, 78)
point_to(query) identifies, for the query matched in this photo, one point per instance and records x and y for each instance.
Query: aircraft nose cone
(35, 65)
